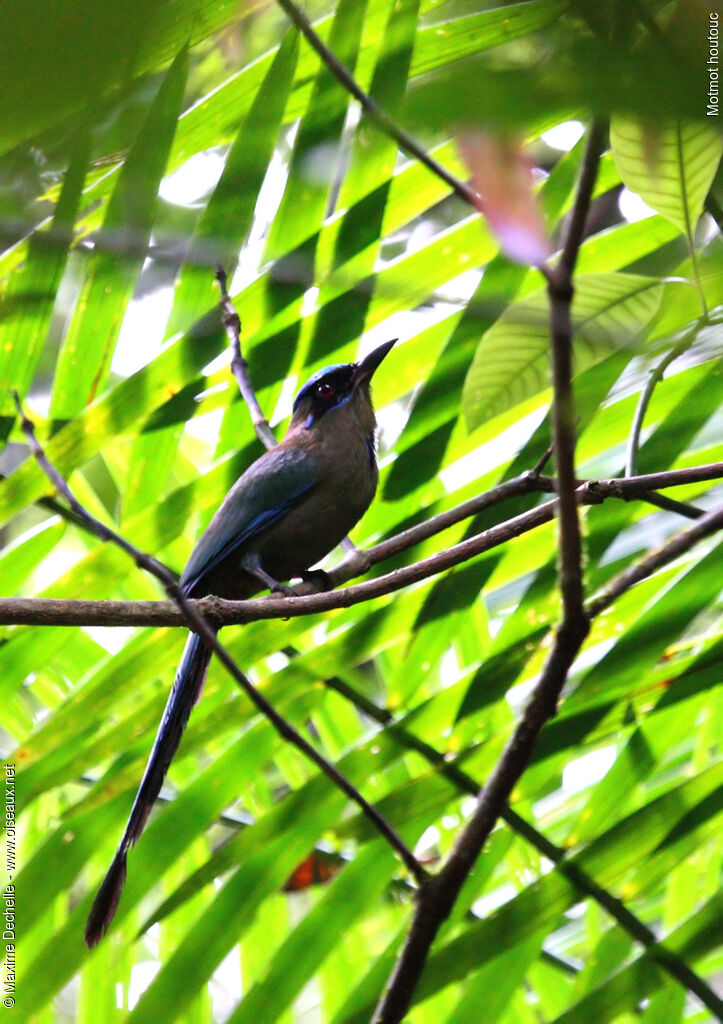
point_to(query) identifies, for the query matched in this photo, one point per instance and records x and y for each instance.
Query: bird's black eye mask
(325, 390)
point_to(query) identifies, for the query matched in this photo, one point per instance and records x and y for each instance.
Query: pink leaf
(502, 175)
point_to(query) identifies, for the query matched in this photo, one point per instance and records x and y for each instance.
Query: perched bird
(289, 509)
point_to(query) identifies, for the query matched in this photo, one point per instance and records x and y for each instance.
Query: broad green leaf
(624, 244)
(526, 96)
(132, 399)
(95, 49)
(348, 897)
(609, 953)
(383, 249)
(635, 982)
(539, 905)
(458, 37)
(241, 846)
(642, 753)
(217, 115)
(666, 1006)
(218, 929)
(84, 360)
(313, 161)
(21, 557)
(608, 310)
(670, 166)
(262, 875)
(32, 291)
(546, 899)
(359, 233)
(494, 985)
(658, 624)
(226, 218)
(151, 458)
(171, 380)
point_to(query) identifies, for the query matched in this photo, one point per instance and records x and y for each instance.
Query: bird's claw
(283, 589)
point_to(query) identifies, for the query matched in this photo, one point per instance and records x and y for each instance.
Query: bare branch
(681, 508)
(239, 366)
(437, 896)
(708, 524)
(65, 612)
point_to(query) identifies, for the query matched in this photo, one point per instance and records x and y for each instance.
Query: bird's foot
(282, 588)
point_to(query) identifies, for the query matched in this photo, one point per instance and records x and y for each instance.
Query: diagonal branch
(681, 508)
(437, 896)
(239, 366)
(371, 108)
(568, 867)
(196, 622)
(708, 524)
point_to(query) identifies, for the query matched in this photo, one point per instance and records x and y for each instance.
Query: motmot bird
(285, 513)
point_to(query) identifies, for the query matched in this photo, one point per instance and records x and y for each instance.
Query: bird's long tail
(185, 692)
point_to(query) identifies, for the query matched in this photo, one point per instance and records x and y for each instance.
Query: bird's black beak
(366, 368)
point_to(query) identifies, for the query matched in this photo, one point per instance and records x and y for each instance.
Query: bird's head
(345, 385)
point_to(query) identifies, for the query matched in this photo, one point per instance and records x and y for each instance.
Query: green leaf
(349, 896)
(671, 166)
(233, 909)
(278, 818)
(626, 989)
(31, 295)
(494, 984)
(367, 244)
(226, 218)
(458, 37)
(510, 364)
(546, 899)
(84, 359)
(95, 49)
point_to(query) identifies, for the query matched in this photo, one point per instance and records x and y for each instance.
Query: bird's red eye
(325, 390)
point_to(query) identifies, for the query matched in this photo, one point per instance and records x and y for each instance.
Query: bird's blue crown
(314, 379)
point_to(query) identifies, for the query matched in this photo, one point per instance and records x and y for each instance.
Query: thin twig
(196, 622)
(681, 508)
(678, 545)
(371, 108)
(42, 611)
(632, 487)
(654, 377)
(239, 366)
